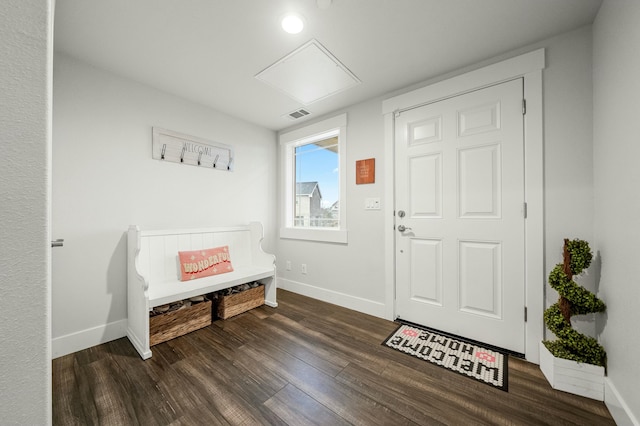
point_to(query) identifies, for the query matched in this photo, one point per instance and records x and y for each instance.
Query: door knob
(57, 243)
(403, 228)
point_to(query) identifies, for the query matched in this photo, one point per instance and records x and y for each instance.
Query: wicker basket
(235, 304)
(165, 327)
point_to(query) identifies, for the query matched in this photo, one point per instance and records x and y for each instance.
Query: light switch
(372, 204)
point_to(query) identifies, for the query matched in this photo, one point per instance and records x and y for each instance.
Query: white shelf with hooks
(184, 149)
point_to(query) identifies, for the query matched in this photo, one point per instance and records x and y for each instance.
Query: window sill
(320, 235)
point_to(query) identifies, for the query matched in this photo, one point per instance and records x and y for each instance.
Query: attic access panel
(308, 74)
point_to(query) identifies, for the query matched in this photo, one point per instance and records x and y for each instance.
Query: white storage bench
(154, 275)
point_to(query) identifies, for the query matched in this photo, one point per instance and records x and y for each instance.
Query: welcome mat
(469, 359)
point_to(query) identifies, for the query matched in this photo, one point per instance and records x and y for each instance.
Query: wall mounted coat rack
(179, 148)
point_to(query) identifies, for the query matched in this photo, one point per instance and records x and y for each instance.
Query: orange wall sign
(366, 171)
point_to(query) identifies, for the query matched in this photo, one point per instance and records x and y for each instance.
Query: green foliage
(595, 352)
(582, 301)
(571, 344)
(580, 255)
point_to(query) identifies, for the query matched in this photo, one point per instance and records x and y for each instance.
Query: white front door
(460, 197)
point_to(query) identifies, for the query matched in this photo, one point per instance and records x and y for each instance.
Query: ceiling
(209, 51)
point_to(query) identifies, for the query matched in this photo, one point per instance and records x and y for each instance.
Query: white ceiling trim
(489, 75)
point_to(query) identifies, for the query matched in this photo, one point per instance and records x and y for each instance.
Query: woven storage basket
(235, 304)
(166, 326)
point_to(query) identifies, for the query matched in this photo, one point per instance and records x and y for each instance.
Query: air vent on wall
(299, 113)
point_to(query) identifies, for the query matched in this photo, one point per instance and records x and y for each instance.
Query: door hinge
(524, 106)
(525, 314)
(524, 210)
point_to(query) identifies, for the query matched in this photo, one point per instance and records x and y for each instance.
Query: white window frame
(302, 136)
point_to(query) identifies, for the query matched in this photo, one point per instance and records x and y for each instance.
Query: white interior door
(460, 200)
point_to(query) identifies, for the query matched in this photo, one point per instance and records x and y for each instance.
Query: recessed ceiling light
(292, 23)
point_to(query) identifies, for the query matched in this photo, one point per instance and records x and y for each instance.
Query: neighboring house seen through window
(313, 186)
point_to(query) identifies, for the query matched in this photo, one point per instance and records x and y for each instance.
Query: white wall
(616, 71)
(104, 179)
(25, 137)
(568, 155)
(350, 274)
(353, 275)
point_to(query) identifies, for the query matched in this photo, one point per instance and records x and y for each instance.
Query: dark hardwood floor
(303, 363)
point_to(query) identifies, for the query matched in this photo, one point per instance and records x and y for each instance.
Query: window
(313, 184)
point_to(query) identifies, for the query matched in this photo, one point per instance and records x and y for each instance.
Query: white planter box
(570, 376)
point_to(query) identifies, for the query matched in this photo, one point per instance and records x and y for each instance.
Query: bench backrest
(157, 260)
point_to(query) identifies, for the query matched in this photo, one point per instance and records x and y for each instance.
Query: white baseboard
(84, 339)
(618, 408)
(359, 304)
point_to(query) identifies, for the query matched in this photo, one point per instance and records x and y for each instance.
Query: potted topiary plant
(573, 362)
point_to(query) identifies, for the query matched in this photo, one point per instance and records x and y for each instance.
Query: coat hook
(199, 157)
(182, 154)
(215, 160)
(164, 148)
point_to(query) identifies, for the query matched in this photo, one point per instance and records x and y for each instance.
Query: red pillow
(203, 263)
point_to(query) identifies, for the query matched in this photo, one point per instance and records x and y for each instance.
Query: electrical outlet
(304, 268)
(288, 265)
